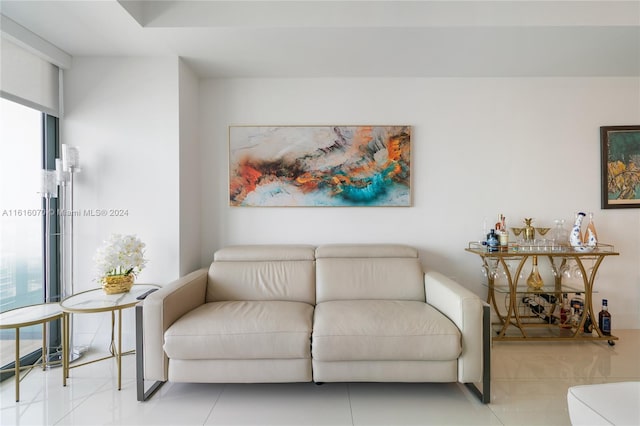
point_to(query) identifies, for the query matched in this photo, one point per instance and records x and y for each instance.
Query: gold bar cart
(511, 262)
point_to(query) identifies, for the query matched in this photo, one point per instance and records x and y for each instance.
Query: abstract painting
(620, 155)
(320, 166)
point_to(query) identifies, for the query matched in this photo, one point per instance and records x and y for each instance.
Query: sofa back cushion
(368, 271)
(262, 272)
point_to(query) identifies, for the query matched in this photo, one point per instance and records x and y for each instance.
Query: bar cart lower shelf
(547, 313)
(545, 333)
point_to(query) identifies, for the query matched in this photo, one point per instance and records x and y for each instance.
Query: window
(28, 140)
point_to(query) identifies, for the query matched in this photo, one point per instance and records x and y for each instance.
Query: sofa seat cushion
(242, 330)
(383, 330)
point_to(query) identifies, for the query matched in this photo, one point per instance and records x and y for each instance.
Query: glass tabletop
(97, 300)
(30, 315)
(518, 250)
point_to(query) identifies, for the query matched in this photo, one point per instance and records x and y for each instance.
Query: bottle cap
(604, 302)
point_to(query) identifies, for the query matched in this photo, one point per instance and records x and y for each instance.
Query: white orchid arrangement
(120, 255)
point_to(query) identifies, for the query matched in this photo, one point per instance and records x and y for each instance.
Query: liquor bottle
(604, 319)
(550, 298)
(503, 235)
(537, 309)
(577, 308)
(535, 280)
(588, 325)
(591, 236)
(577, 303)
(565, 312)
(575, 237)
(574, 319)
(492, 241)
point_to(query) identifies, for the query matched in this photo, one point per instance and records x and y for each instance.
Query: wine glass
(491, 266)
(557, 267)
(566, 271)
(576, 271)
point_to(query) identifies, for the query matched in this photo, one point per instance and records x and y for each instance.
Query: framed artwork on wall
(320, 166)
(620, 166)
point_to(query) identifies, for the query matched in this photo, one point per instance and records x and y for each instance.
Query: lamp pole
(69, 165)
(48, 190)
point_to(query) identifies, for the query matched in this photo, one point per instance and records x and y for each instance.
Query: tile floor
(530, 382)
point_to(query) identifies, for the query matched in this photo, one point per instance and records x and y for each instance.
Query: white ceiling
(350, 38)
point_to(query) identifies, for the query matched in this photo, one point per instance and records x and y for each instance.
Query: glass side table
(94, 301)
(24, 317)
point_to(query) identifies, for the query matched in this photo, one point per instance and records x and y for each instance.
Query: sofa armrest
(161, 309)
(465, 309)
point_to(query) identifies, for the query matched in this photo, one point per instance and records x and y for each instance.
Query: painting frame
(620, 166)
(320, 165)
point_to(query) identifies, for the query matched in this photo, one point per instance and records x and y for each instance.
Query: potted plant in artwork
(119, 260)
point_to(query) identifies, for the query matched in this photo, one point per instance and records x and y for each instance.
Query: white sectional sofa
(298, 313)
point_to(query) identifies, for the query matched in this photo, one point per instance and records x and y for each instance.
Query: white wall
(190, 179)
(524, 147)
(122, 114)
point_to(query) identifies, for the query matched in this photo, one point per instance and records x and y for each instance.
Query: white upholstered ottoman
(605, 404)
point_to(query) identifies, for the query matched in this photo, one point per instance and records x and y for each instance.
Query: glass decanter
(591, 236)
(535, 280)
(560, 234)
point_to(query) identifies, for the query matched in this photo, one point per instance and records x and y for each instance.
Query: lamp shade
(61, 175)
(70, 158)
(48, 184)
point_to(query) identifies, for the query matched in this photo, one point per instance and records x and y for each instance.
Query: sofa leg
(485, 395)
(144, 395)
(318, 383)
(482, 396)
(141, 393)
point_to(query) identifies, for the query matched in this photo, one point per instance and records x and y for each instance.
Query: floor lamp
(48, 190)
(70, 163)
(66, 168)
